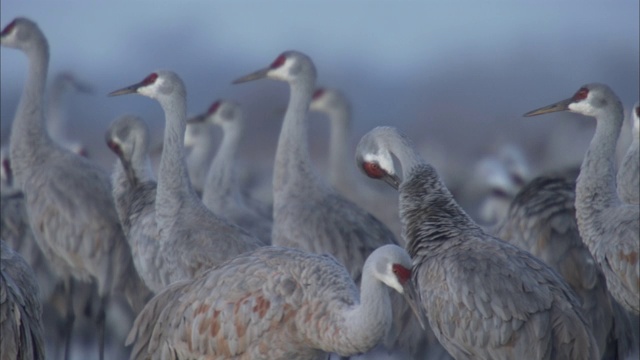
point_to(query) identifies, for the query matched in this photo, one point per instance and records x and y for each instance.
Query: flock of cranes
(213, 273)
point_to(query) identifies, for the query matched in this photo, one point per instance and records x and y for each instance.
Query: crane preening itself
(484, 298)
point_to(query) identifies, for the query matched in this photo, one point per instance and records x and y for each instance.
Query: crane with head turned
(134, 192)
(273, 303)
(484, 298)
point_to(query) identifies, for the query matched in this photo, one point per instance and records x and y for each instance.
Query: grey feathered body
(136, 207)
(272, 303)
(311, 216)
(609, 227)
(541, 220)
(192, 238)
(485, 298)
(628, 178)
(20, 309)
(67, 197)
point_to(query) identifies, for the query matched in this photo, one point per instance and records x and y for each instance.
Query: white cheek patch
(383, 159)
(582, 107)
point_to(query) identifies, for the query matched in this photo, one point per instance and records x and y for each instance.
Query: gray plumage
(67, 197)
(308, 214)
(383, 205)
(485, 298)
(628, 178)
(16, 230)
(273, 303)
(134, 192)
(542, 221)
(198, 139)
(20, 309)
(221, 192)
(192, 238)
(609, 227)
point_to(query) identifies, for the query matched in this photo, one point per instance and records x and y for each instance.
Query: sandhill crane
(198, 139)
(67, 197)
(484, 298)
(628, 178)
(20, 309)
(308, 214)
(221, 193)
(192, 238)
(55, 111)
(609, 228)
(273, 303)
(383, 205)
(134, 192)
(542, 221)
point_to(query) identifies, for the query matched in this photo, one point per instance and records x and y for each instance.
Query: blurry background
(456, 75)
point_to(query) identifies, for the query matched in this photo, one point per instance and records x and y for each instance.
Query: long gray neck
(367, 323)
(30, 143)
(220, 181)
(596, 185)
(140, 161)
(174, 188)
(428, 212)
(292, 167)
(199, 160)
(341, 169)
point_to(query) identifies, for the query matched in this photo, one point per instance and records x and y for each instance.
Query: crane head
(589, 100)
(289, 66)
(21, 33)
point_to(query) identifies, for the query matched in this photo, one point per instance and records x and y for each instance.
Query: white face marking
(383, 159)
(151, 90)
(282, 72)
(391, 280)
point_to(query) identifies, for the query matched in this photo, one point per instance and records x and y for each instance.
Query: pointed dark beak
(260, 74)
(559, 106)
(197, 119)
(392, 180)
(411, 296)
(127, 90)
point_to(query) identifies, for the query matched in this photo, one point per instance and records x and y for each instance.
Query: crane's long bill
(127, 90)
(392, 180)
(411, 296)
(260, 74)
(559, 106)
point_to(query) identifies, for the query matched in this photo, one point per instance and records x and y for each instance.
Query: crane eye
(318, 94)
(373, 170)
(279, 61)
(581, 94)
(150, 79)
(8, 28)
(213, 108)
(402, 273)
